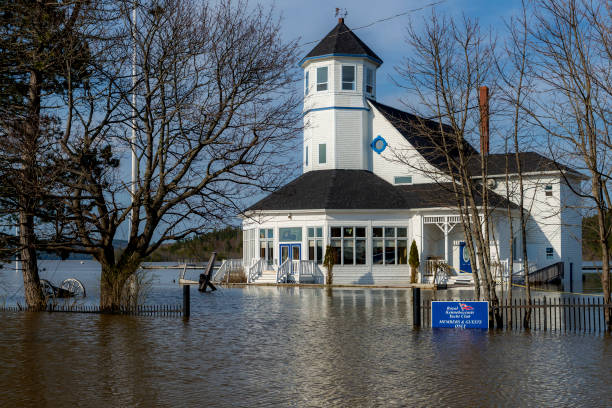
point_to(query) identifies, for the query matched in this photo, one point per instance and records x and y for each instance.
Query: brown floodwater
(271, 346)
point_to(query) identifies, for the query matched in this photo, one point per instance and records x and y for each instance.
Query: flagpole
(133, 139)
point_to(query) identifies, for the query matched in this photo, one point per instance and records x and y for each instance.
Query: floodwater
(272, 346)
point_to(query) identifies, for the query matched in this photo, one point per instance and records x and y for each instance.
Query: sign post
(460, 315)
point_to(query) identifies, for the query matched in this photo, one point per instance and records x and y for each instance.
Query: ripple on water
(268, 346)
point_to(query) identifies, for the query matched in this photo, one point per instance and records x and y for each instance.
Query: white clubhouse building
(354, 196)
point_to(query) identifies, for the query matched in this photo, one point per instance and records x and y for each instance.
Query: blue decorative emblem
(379, 144)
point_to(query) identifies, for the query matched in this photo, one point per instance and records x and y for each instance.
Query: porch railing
(227, 267)
(283, 271)
(255, 269)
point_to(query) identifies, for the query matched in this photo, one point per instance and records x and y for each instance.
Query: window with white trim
(321, 79)
(349, 244)
(322, 153)
(306, 83)
(389, 245)
(266, 245)
(348, 77)
(550, 253)
(369, 81)
(315, 244)
(306, 156)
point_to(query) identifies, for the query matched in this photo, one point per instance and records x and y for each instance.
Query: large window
(315, 244)
(349, 244)
(322, 153)
(389, 245)
(348, 77)
(369, 81)
(266, 245)
(290, 234)
(322, 79)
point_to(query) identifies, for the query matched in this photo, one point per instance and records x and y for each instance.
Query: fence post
(416, 307)
(186, 295)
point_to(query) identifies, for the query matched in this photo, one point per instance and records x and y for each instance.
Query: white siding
(399, 158)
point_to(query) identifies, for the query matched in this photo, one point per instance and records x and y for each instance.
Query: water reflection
(292, 346)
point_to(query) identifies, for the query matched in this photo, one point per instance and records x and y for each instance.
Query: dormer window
(369, 81)
(348, 77)
(321, 79)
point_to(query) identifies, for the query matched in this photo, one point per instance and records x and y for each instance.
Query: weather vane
(341, 12)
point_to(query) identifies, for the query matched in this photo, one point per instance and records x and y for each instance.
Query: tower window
(306, 156)
(369, 81)
(548, 190)
(348, 77)
(322, 79)
(550, 253)
(322, 154)
(306, 84)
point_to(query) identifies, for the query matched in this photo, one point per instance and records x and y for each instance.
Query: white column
(446, 240)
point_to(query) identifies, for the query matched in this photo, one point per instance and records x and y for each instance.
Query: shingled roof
(531, 162)
(411, 127)
(342, 41)
(360, 190)
(421, 134)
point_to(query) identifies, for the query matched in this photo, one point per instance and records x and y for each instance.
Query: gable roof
(408, 126)
(360, 190)
(341, 41)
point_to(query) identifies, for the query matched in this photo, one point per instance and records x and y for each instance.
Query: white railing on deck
(283, 271)
(227, 266)
(255, 269)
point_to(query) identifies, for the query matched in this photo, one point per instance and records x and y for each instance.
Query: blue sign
(460, 315)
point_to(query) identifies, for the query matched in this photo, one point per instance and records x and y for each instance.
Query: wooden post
(416, 307)
(205, 277)
(186, 301)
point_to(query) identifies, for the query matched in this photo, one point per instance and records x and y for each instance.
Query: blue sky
(312, 20)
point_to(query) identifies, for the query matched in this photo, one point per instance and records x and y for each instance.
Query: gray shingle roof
(359, 190)
(342, 41)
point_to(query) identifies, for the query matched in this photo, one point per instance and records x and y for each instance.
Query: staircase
(268, 276)
(549, 274)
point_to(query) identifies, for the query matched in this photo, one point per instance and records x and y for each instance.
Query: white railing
(283, 271)
(255, 269)
(227, 267)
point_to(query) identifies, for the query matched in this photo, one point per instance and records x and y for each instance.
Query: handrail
(255, 269)
(283, 271)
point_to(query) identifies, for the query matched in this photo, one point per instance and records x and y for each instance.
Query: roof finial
(341, 13)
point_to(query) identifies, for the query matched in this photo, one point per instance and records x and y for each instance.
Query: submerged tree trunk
(29, 264)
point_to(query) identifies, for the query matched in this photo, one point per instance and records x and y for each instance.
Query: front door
(289, 251)
(465, 266)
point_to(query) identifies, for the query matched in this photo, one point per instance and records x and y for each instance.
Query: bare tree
(514, 89)
(34, 39)
(448, 64)
(215, 116)
(570, 42)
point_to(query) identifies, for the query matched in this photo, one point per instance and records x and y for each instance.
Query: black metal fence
(576, 314)
(143, 310)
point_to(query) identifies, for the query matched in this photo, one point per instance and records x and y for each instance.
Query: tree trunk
(29, 265)
(605, 267)
(27, 237)
(113, 278)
